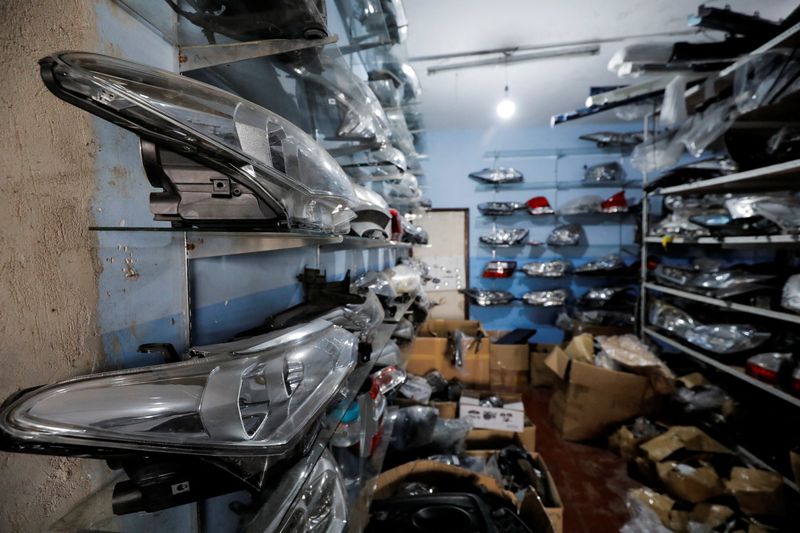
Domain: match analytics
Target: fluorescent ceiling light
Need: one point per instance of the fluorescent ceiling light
(510, 57)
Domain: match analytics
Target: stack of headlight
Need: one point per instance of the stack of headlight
(497, 176)
(486, 298)
(547, 269)
(499, 208)
(253, 397)
(280, 175)
(505, 237)
(546, 298)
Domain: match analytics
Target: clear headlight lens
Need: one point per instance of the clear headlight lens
(322, 504)
(566, 235)
(546, 298)
(256, 146)
(486, 298)
(256, 396)
(505, 237)
(497, 175)
(547, 269)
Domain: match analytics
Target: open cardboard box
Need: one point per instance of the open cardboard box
(530, 498)
(431, 350)
(510, 417)
(509, 364)
(453, 479)
(447, 410)
(588, 399)
(488, 439)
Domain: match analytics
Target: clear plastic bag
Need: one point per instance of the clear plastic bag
(702, 129)
(673, 108)
(643, 519)
(657, 154)
(414, 427)
(701, 398)
(404, 279)
(450, 434)
(790, 297)
(417, 389)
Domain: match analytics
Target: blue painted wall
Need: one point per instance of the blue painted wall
(456, 153)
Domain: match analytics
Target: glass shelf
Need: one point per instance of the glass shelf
(556, 185)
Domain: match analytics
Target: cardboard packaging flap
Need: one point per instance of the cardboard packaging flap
(710, 515)
(692, 380)
(581, 348)
(659, 503)
(757, 492)
(489, 439)
(688, 438)
(692, 483)
(558, 362)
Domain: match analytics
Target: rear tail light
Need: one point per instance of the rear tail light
(768, 367)
(499, 269)
(615, 204)
(538, 205)
(397, 225)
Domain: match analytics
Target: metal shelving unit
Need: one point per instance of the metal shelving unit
(732, 371)
(743, 241)
(733, 306)
(772, 177)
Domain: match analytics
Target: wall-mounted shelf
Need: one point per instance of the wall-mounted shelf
(774, 177)
(553, 152)
(557, 185)
(732, 371)
(743, 241)
(733, 306)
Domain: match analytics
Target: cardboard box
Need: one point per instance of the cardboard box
(509, 364)
(488, 439)
(432, 350)
(757, 492)
(588, 399)
(510, 417)
(541, 375)
(554, 511)
(449, 478)
(685, 440)
(694, 483)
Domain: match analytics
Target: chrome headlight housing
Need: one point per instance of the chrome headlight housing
(497, 175)
(546, 298)
(252, 397)
(265, 153)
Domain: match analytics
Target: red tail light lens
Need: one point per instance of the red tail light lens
(538, 205)
(615, 204)
(761, 373)
(499, 269)
(397, 225)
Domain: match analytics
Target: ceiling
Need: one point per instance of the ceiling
(467, 98)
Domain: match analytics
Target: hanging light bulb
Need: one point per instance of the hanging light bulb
(506, 107)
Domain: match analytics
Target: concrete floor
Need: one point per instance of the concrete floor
(592, 480)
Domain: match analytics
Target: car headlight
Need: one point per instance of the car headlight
(259, 150)
(252, 397)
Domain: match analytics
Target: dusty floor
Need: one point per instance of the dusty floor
(591, 480)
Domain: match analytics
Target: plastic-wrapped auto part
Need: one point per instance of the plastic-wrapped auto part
(678, 223)
(673, 107)
(556, 268)
(496, 209)
(414, 427)
(389, 355)
(606, 263)
(377, 282)
(505, 237)
(726, 338)
(283, 177)
(701, 398)
(486, 298)
(657, 154)
(396, 21)
(538, 205)
(406, 187)
(624, 60)
(705, 127)
(417, 389)
(599, 296)
(438, 384)
(565, 235)
(400, 135)
(604, 172)
(497, 176)
(499, 269)
(643, 518)
(633, 355)
(461, 343)
(719, 283)
(520, 471)
(404, 279)
(385, 87)
(670, 318)
(790, 296)
(784, 212)
(546, 298)
(589, 203)
(450, 434)
(763, 77)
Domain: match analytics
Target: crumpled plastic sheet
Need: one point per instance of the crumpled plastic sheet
(790, 296)
(404, 279)
(673, 107)
(451, 434)
(643, 519)
(762, 77)
(565, 235)
(784, 212)
(416, 388)
(701, 398)
(634, 355)
(414, 427)
(377, 282)
(589, 203)
(657, 154)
